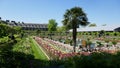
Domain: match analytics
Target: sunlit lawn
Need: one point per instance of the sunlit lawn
(38, 53)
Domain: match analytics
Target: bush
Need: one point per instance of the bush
(114, 42)
(99, 43)
(4, 39)
(95, 60)
(67, 41)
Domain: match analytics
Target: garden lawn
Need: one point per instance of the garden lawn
(37, 50)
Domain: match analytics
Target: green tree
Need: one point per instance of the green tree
(72, 19)
(3, 22)
(92, 25)
(101, 33)
(17, 29)
(104, 24)
(52, 26)
(5, 30)
(61, 29)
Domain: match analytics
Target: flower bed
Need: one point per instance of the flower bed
(63, 47)
(54, 53)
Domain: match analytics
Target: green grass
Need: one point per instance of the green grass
(30, 46)
(37, 50)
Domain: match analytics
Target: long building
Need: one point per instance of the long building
(27, 26)
(109, 28)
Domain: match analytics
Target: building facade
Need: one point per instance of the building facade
(29, 26)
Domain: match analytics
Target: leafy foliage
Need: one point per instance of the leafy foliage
(61, 29)
(23, 46)
(52, 26)
(6, 30)
(4, 40)
(114, 42)
(72, 19)
(92, 25)
(95, 60)
(99, 43)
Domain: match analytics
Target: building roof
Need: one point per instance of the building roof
(98, 28)
(28, 25)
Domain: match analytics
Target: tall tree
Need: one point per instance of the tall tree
(72, 19)
(52, 25)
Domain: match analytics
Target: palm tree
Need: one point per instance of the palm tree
(72, 19)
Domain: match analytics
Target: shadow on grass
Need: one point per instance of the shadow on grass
(12, 59)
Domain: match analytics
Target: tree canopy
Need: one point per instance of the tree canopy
(92, 25)
(6, 30)
(52, 25)
(72, 19)
(61, 29)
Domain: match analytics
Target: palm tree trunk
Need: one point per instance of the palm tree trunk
(74, 39)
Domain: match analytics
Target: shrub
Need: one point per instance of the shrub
(114, 42)
(99, 43)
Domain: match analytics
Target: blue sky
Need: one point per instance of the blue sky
(40, 11)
